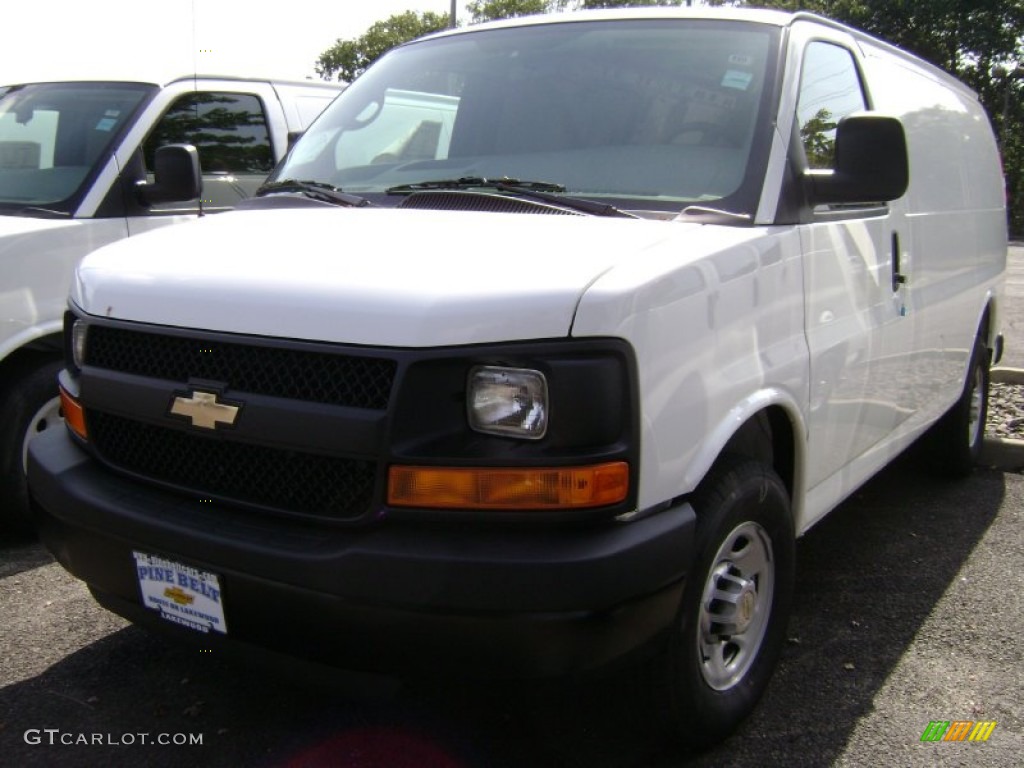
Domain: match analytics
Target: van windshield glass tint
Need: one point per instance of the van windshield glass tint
(54, 135)
(650, 113)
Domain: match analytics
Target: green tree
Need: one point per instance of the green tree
(587, 4)
(347, 59)
(490, 10)
(818, 137)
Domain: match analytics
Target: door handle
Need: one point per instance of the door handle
(898, 278)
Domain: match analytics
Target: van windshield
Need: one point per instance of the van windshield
(644, 114)
(54, 137)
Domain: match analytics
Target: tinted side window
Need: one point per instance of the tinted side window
(830, 89)
(230, 132)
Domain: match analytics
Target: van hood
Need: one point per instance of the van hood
(391, 277)
(12, 226)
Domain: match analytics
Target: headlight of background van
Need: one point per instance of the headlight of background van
(79, 330)
(512, 402)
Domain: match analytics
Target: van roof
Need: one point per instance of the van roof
(161, 82)
(759, 15)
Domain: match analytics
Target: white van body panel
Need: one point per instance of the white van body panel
(38, 258)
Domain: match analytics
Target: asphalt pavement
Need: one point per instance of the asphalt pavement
(909, 603)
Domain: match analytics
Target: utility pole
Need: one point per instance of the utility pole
(451, 16)
(1009, 78)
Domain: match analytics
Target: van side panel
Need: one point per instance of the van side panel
(39, 257)
(954, 249)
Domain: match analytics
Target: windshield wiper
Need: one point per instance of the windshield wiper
(317, 190)
(535, 190)
(475, 182)
(705, 215)
(47, 213)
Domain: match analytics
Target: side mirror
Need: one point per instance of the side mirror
(871, 163)
(177, 175)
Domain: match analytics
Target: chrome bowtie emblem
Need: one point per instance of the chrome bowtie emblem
(204, 411)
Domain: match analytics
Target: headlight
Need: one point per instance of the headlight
(508, 401)
(78, 335)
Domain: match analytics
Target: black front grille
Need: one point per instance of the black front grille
(295, 374)
(288, 481)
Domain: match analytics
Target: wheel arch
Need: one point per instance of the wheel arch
(988, 330)
(31, 353)
(768, 428)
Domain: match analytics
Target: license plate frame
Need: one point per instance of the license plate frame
(182, 594)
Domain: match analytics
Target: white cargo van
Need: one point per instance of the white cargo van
(77, 165)
(539, 350)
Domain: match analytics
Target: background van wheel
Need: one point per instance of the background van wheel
(30, 405)
(732, 620)
(955, 442)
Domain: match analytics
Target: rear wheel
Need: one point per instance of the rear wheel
(955, 442)
(30, 406)
(732, 619)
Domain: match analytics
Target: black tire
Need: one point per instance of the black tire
(955, 442)
(28, 404)
(735, 607)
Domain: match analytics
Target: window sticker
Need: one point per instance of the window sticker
(735, 79)
(106, 124)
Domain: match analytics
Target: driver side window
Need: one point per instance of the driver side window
(830, 89)
(229, 130)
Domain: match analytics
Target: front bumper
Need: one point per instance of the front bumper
(398, 597)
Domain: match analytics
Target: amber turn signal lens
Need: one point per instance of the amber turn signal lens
(532, 488)
(74, 415)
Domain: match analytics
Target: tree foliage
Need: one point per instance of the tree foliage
(491, 10)
(587, 4)
(347, 59)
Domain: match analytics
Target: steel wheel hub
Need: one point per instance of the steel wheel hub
(735, 606)
(974, 425)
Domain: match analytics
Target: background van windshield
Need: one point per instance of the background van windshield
(53, 135)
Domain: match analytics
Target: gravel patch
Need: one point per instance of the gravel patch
(1006, 411)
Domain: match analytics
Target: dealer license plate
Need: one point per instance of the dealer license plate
(184, 595)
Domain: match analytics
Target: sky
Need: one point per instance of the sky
(47, 39)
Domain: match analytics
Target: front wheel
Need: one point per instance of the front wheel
(732, 619)
(30, 405)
